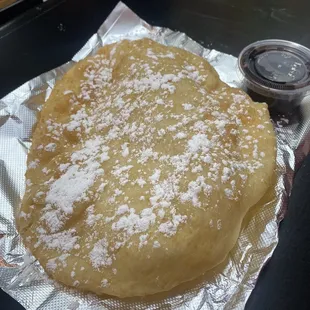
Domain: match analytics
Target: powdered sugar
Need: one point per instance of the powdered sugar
(104, 283)
(135, 223)
(156, 244)
(169, 228)
(180, 135)
(140, 154)
(122, 209)
(198, 142)
(62, 241)
(99, 255)
(33, 164)
(72, 186)
(125, 150)
(51, 147)
(194, 189)
(187, 106)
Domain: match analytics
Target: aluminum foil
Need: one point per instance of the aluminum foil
(226, 287)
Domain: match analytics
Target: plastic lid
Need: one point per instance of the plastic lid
(276, 67)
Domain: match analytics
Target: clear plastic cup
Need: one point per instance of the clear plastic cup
(276, 72)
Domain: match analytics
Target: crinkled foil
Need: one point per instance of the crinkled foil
(229, 285)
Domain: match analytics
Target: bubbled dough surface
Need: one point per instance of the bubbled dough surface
(209, 226)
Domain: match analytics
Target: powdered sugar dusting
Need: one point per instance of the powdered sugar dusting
(145, 144)
(99, 255)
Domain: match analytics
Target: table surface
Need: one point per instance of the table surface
(36, 37)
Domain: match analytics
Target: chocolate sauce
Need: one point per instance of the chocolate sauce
(276, 72)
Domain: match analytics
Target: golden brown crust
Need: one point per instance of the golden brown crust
(142, 167)
(5, 3)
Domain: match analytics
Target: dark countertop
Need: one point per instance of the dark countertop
(47, 35)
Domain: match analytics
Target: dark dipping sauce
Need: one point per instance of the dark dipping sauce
(276, 72)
